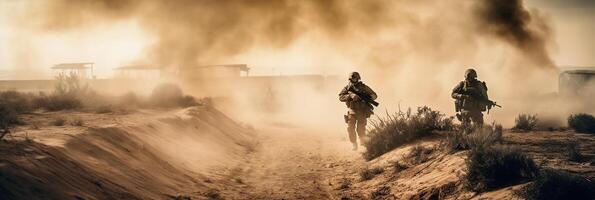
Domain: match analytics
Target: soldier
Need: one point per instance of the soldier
(471, 99)
(358, 97)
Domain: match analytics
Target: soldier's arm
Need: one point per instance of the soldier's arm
(457, 92)
(344, 95)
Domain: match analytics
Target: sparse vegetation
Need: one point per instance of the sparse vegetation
(77, 122)
(401, 128)
(574, 153)
(525, 123)
(380, 192)
(170, 95)
(399, 166)
(369, 173)
(419, 154)
(558, 185)
(460, 139)
(8, 118)
(58, 122)
(213, 195)
(582, 123)
(104, 109)
(492, 167)
(16, 101)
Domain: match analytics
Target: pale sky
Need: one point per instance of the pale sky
(113, 45)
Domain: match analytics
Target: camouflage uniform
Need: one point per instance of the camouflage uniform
(471, 96)
(359, 110)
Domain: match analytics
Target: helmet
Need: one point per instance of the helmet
(470, 74)
(354, 77)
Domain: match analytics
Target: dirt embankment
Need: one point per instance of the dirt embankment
(143, 155)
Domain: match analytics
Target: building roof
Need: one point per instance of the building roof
(242, 67)
(578, 70)
(82, 65)
(138, 67)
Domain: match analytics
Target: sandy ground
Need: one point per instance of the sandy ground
(158, 154)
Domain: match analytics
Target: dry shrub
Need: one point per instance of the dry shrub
(401, 128)
(170, 95)
(467, 138)
(380, 193)
(574, 153)
(17, 101)
(493, 167)
(558, 185)
(525, 123)
(399, 166)
(77, 122)
(369, 173)
(419, 154)
(56, 102)
(8, 118)
(582, 123)
(58, 122)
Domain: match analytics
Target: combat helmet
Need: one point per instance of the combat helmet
(354, 77)
(470, 74)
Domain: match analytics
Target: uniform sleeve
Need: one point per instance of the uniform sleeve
(370, 92)
(344, 95)
(457, 91)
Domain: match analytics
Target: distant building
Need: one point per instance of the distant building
(577, 81)
(137, 72)
(82, 70)
(215, 71)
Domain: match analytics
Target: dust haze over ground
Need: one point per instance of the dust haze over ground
(293, 144)
(416, 51)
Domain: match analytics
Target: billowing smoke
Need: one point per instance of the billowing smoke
(191, 32)
(416, 50)
(510, 21)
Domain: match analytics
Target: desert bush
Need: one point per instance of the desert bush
(56, 102)
(380, 193)
(392, 131)
(558, 185)
(582, 123)
(8, 118)
(525, 122)
(399, 166)
(70, 85)
(574, 153)
(58, 122)
(419, 154)
(17, 101)
(492, 167)
(77, 122)
(369, 173)
(170, 95)
(467, 138)
(103, 109)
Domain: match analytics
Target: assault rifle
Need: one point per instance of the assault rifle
(491, 104)
(363, 96)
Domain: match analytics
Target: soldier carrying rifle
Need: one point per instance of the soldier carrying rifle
(471, 99)
(359, 99)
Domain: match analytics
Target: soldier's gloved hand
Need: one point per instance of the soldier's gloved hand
(354, 97)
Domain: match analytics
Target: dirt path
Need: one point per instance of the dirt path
(295, 164)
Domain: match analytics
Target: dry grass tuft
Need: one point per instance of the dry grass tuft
(401, 128)
(525, 123)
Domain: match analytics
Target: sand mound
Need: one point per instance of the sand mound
(149, 159)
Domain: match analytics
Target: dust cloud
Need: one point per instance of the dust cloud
(411, 53)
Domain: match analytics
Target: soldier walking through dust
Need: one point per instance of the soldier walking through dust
(471, 99)
(359, 99)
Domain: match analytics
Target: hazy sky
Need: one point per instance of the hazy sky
(113, 45)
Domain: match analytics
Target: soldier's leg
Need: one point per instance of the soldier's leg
(477, 118)
(351, 120)
(362, 121)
